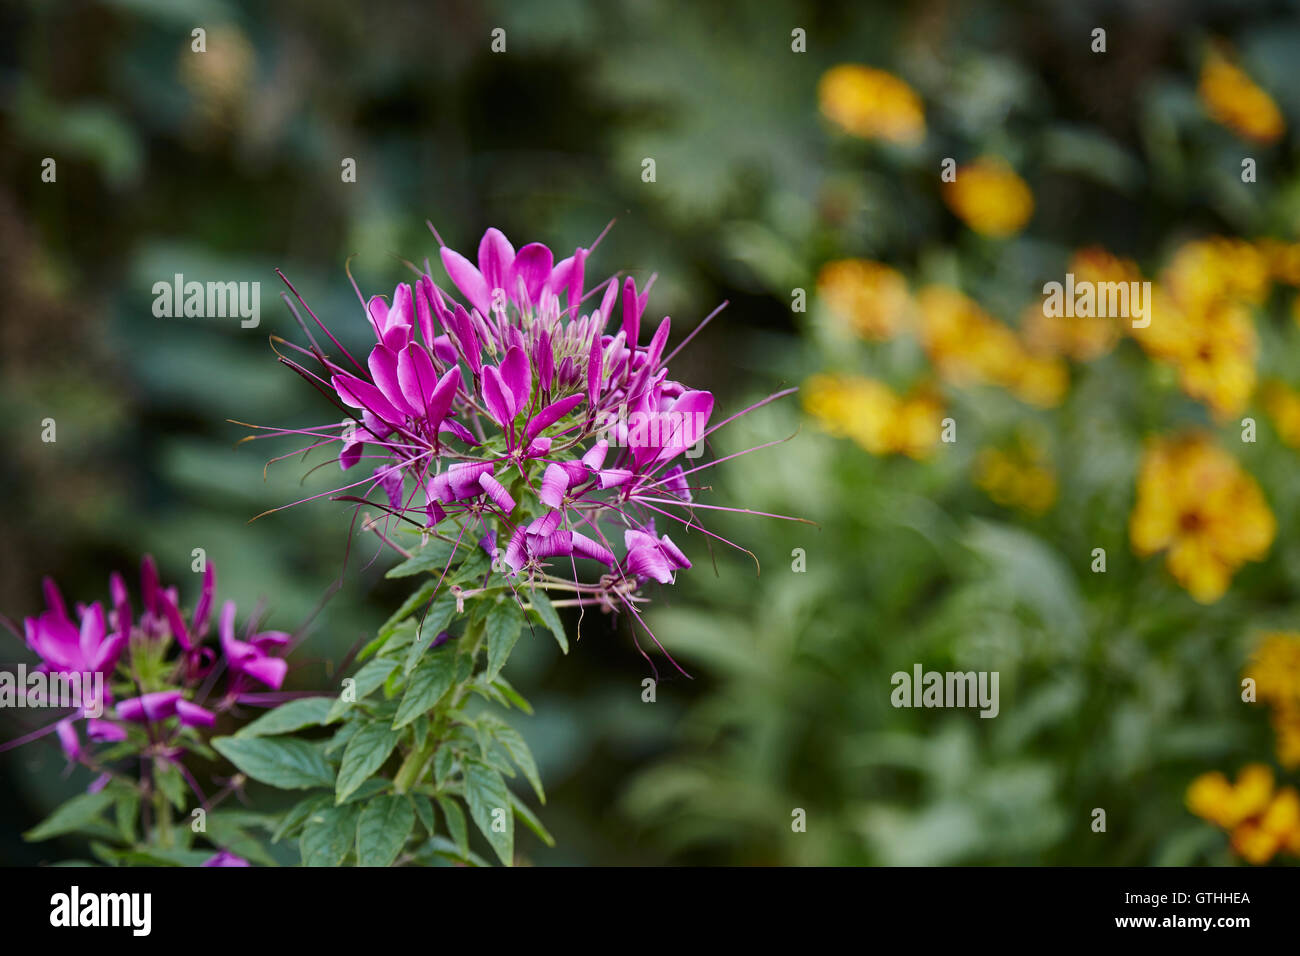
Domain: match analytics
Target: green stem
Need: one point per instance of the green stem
(412, 768)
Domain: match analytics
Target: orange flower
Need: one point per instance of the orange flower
(989, 197)
(871, 104)
(1195, 503)
(1231, 98)
(870, 297)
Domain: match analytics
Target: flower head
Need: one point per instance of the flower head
(1197, 504)
(871, 104)
(989, 197)
(511, 409)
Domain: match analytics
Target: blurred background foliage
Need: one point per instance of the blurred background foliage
(1117, 689)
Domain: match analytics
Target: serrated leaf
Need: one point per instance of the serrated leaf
(546, 611)
(444, 760)
(489, 803)
(515, 746)
(329, 835)
(364, 754)
(288, 717)
(530, 820)
(424, 811)
(504, 622)
(382, 830)
(167, 778)
(283, 762)
(299, 814)
(449, 851)
(428, 629)
(364, 683)
(455, 818)
(433, 557)
(433, 677)
(74, 815)
(225, 832)
(512, 695)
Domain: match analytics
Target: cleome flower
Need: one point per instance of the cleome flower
(501, 411)
(159, 678)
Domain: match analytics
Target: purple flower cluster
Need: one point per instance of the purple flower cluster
(155, 671)
(513, 415)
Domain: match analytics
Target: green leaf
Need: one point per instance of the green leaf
(503, 625)
(432, 557)
(546, 611)
(424, 810)
(382, 830)
(531, 821)
(432, 678)
(283, 762)
(225, 832)
(364, 683)
(512, 695)
(513, 742)
(167, 778)
(294, 715)
(430, 627)
(455, 817)
(444, 759)
(71, 816)
(299, 814)
(489, 806)
(417, 598)
(329, 835)
(364, 754)
(126, 809)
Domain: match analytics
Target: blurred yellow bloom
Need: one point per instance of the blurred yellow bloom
(871, 414)
(1195, 502)
(869, 297)
(871, 104)
(1201, 320)
(1231, 97)
(1019, 477)
(1283, 406)
(221, 78)
(1213, 798)
(1081, 339)
(989, 197)
(1282, 260)
(1262, 821)
(1205, 271)
(1275, 669)
(967, 346)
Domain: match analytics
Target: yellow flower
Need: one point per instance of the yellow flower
(871, 104)
(967, 346)
(1275, 669)
(1081, 339)
(1283, 406)
(1201, 320)
(869, 297)
(1213, 798)
(1205, 271)
(989, 197)
(1199, 506)
(871, 414)
(1282, 259)
(1230, 97)
(1019, 477)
